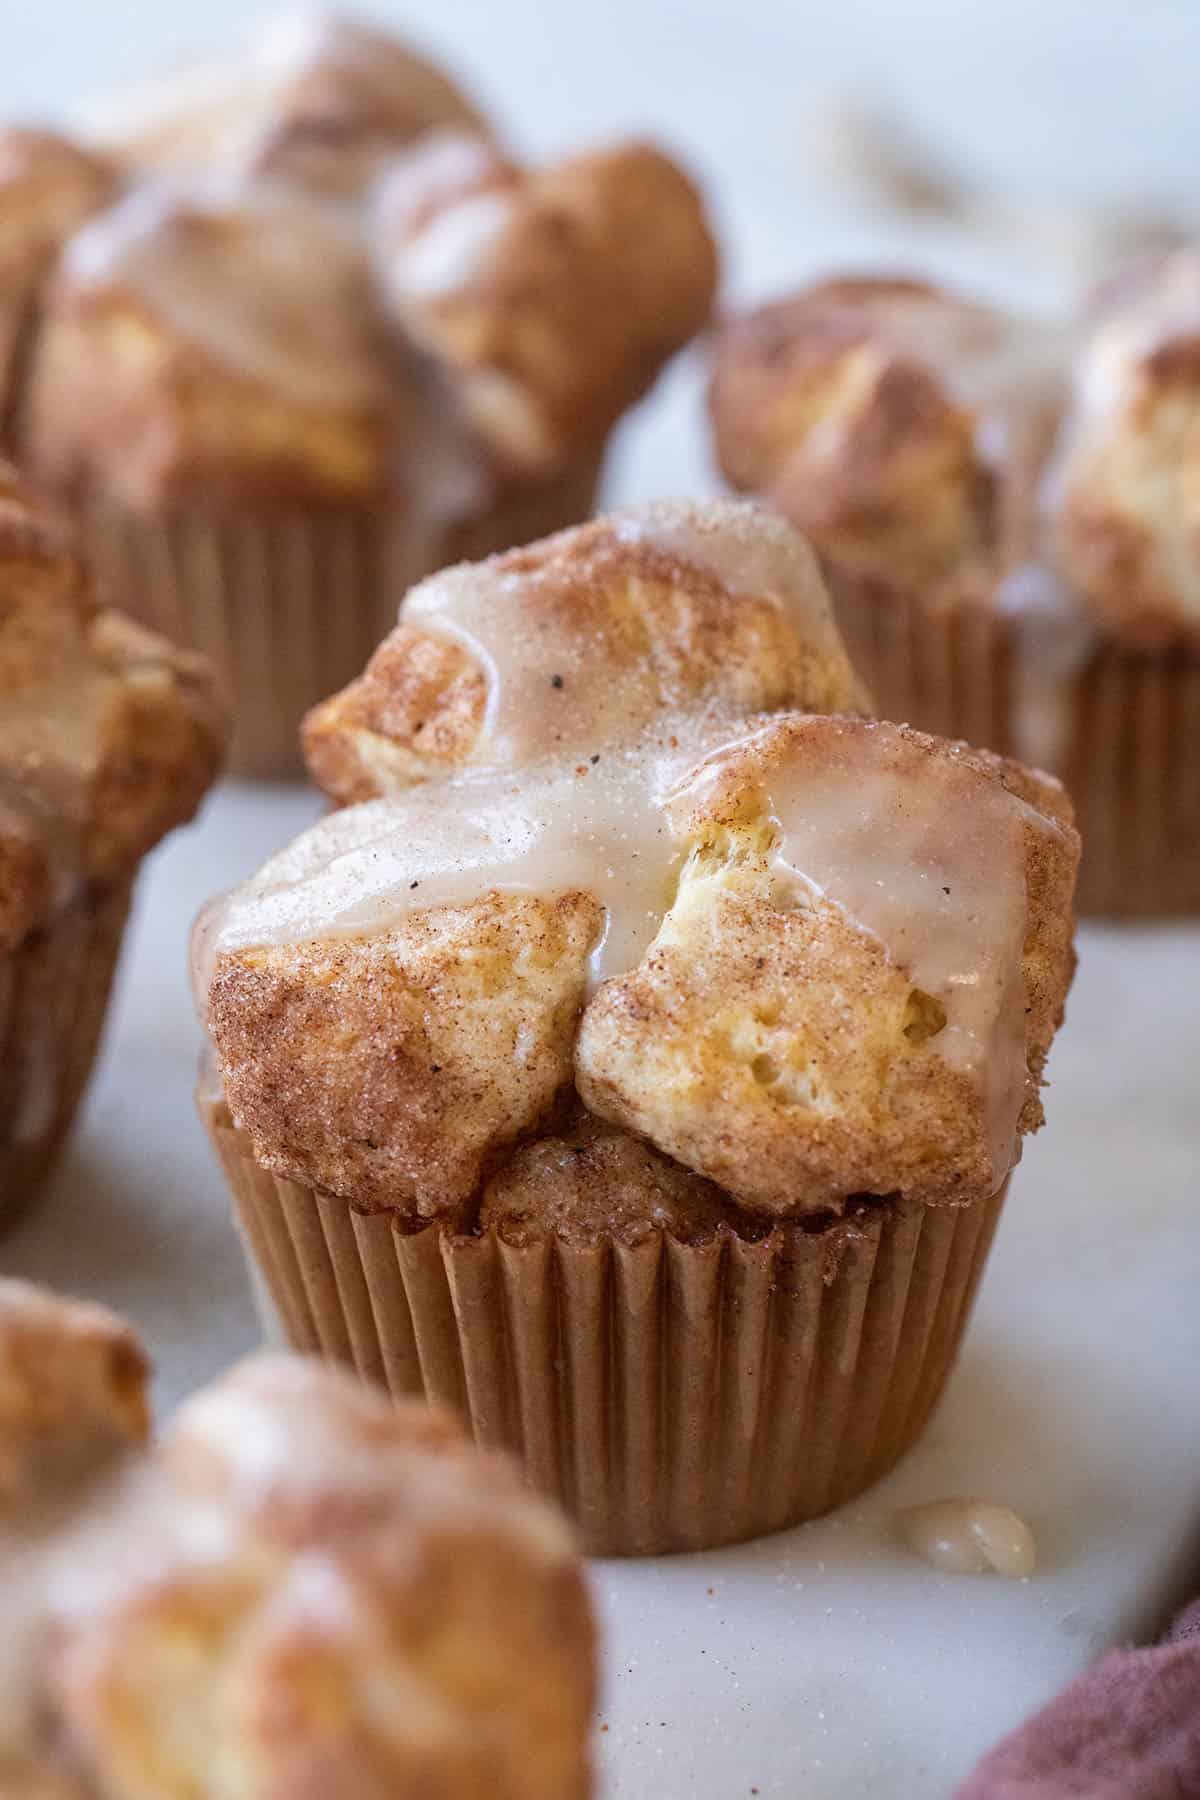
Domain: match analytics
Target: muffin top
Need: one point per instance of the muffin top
(988, 460)
(320, 283)
(609, 845)
(313, 96)
(108, 735)
(293, 1548)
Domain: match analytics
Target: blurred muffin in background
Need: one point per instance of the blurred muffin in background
(327, 338)
(1006, 511)
(299, 1583)
(109, 737)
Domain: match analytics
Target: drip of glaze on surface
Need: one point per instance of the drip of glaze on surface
(970, 1537)
(926, 855)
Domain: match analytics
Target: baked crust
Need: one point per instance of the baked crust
(315, 99)
(553, 299)
(591, 1182)
(634, 603)
(930, 444)
(399, 1052)
(328, 1590)
(197, 344)
(841, 406)
(396, 1068)
(109, 736)
(768, 1039)
(73, 1389)
(1129, 483)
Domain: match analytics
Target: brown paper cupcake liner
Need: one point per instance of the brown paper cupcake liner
(289, 607)
(1126, 739)
(54, 992)
(671, 1396)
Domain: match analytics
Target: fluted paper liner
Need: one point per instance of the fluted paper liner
(671, 1396)
(288, 607)
(54, 990)
(1129, 725)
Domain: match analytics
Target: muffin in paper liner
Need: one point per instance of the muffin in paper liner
(1005, 514)
(109, 738)
(54, 990)
(672, 1396)
(609, 1004)
(289, 606)
(284, 370)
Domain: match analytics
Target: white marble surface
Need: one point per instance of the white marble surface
(825, 1662)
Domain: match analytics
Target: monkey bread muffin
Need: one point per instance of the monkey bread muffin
(316, 336)
(109, 737)
(299, 1583)
(636, 1059)
(1007, 515)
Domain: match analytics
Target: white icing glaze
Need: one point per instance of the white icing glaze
(929, 858)
(566, 785)
(269, 283)
(558, 827)
(451, 250)
(971, 1537)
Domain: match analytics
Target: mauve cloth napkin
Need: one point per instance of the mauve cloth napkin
(1127, 1730)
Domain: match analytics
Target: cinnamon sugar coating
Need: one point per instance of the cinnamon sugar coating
(395, 1068)
(73, 1381)
(603, 851)
(1130, 507)
(637, 605)
(770, 1041)
(592, 1181)
(311, 1586)
(554, 298)
(109, 736)
(943, 447)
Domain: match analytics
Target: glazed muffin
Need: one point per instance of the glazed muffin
(109, 737)
(328, 338)
(636, 1058)
(300, 1582)
(1002, 510)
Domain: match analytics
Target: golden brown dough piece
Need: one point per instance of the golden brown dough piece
(777, 1037)
(553, 300)
(1130, 480)
(648, 613)
(48, 187)
(202, 345)
(592, 1182)
(869, 411)
(109, 736)
(318, 99)
(73, 1381)
(307, 1586)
